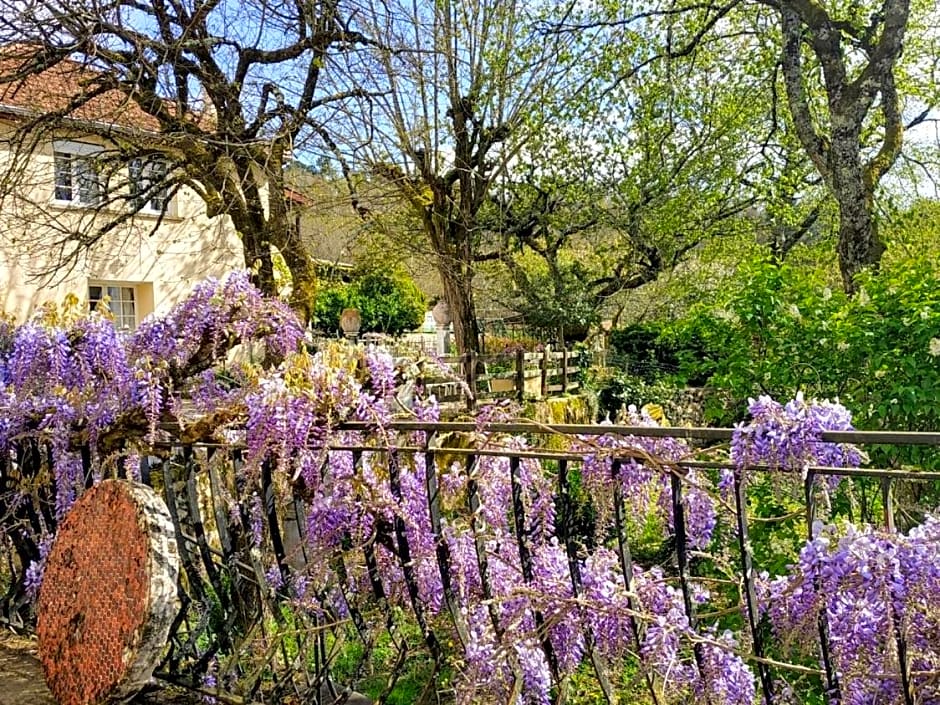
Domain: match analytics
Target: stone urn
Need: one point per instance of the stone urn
(441, 314)
(350, 321)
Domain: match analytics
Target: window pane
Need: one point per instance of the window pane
(160, 198)
(89, 187)
(135, 172)
(63, 176)
(121, 303)
(146, 179)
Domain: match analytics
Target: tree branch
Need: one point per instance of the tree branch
(817, 148)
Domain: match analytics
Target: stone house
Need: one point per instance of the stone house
(82, 214)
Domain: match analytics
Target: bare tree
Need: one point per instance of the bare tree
(463, 84)
(229, 92)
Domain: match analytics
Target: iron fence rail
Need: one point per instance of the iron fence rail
(236, 623)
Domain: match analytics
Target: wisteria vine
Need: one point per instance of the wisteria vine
(547, 602)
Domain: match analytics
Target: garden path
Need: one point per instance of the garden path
(22, 682)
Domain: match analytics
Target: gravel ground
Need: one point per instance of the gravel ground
(22, 682)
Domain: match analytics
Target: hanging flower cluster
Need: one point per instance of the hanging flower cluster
(789, 436)
(875, 589)
(525, 621)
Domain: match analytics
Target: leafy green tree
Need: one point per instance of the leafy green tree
(389, 304)
(853, 132)
(331, 300)
(554, 298)
(835, 82)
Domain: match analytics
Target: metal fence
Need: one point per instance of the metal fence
(241, 636)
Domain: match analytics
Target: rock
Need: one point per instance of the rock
(343, 695)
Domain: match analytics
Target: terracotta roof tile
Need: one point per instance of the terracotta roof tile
(55, 87)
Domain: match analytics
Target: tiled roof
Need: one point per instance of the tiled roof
(297, 197)
(54, 88)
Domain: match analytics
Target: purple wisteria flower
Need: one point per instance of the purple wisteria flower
(872, 586)
(35, 570)
(789, 437)
(646, 465)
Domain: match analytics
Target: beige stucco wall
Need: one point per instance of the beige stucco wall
(41, 260)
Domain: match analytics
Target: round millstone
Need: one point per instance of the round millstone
(108, 595)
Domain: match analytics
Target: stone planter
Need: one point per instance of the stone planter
(533, 386)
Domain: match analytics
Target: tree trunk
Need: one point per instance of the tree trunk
(302, 272)
(257, 239)
(839, 160)
(258, 260)
(459, 296)
(859, 244)
(451, 243)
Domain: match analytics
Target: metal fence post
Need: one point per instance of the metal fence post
(750, 593)
(822, 619)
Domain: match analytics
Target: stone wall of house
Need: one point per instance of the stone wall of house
(43, 258)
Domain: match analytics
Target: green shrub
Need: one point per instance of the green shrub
(655, 351)
(637, 351)
(329, 305)
(782, 329)
(387, 303)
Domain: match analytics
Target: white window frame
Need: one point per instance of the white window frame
(139, 171)
(123, 301)
(75, 159)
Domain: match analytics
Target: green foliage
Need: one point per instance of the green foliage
(638, 342)
(411, 674)
(780, 531)
(621, 389)
(782, 329)
(556, 298)
(330, 303)
(387, 303)
(913, 232)
(652, 352)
